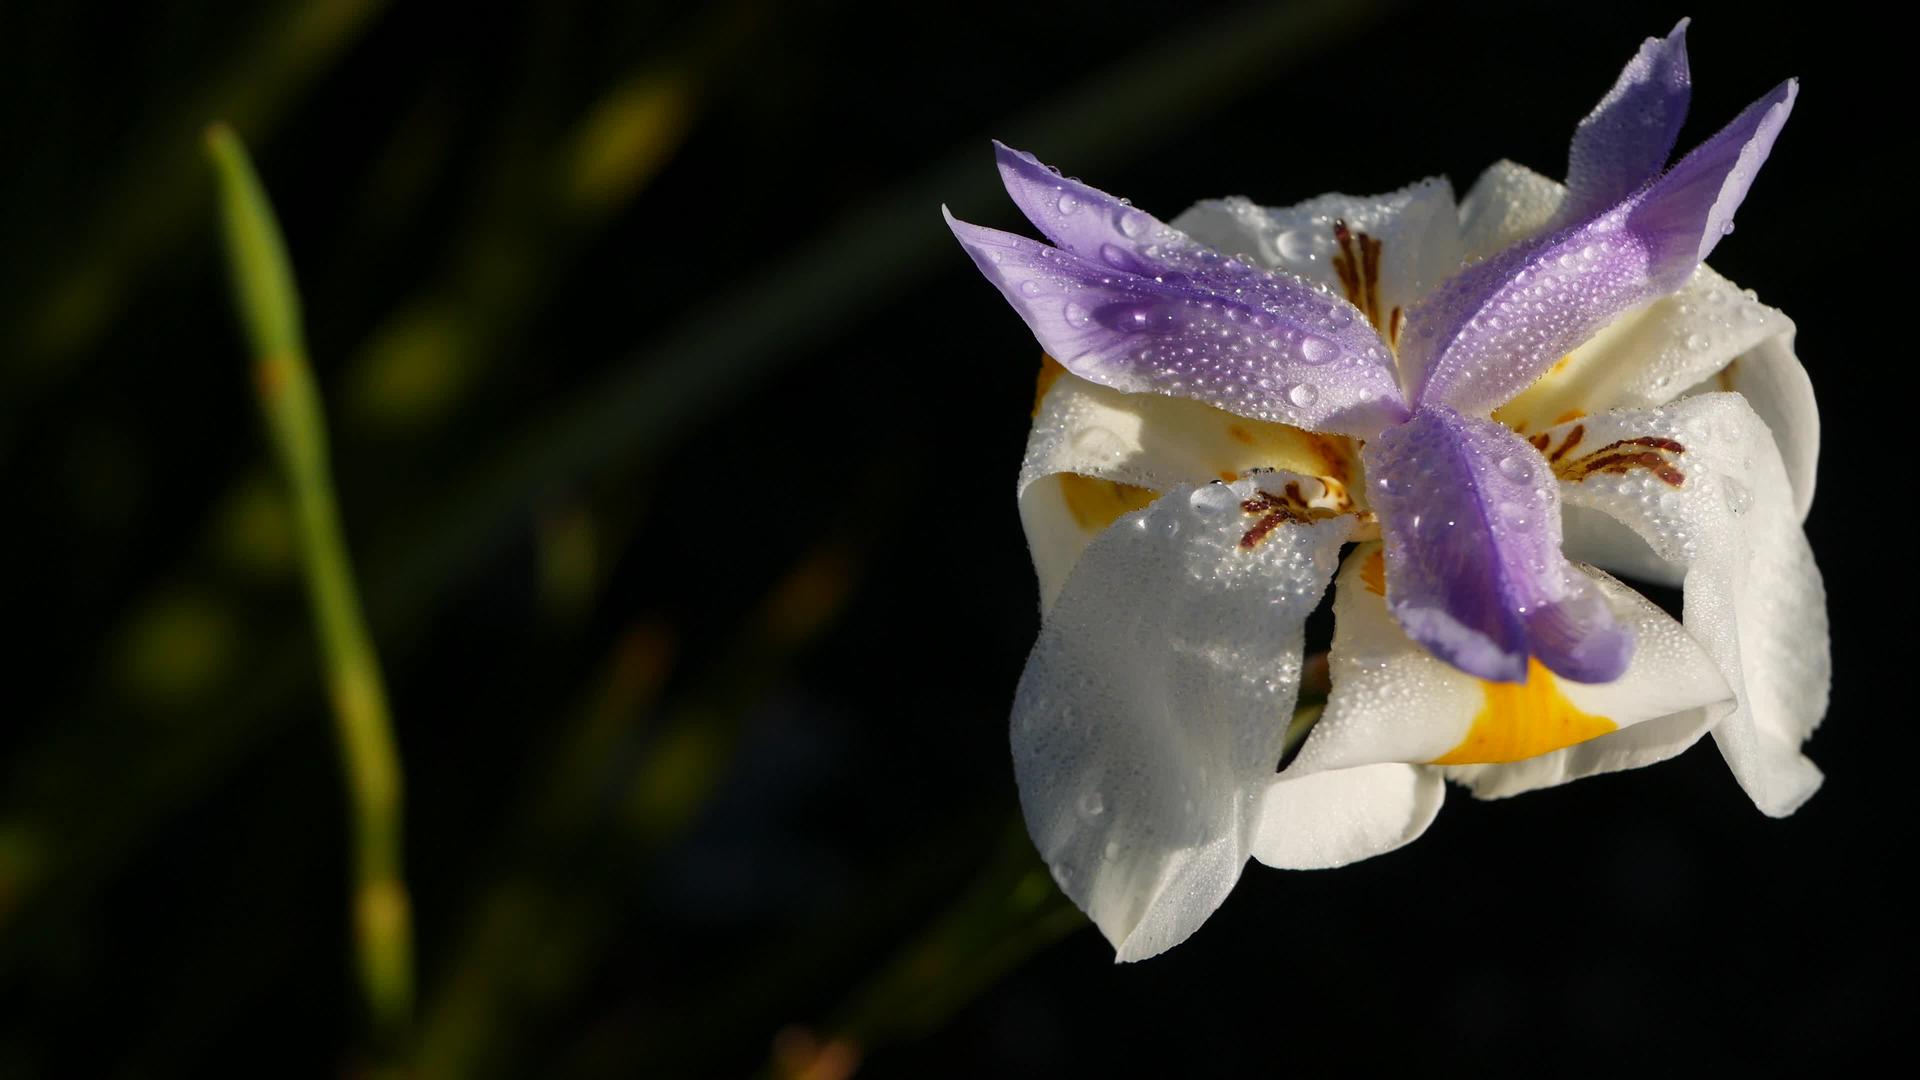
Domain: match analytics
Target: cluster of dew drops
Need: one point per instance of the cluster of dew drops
(1531, 314)
(1217, 330)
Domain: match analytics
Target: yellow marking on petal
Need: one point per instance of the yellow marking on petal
(1373, 574)
(1050, 372)
(1096, 504)
(1523, 720)
(1251, 444)
(1336, 456)
(1561, 393)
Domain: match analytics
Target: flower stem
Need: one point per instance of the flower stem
(289, 398)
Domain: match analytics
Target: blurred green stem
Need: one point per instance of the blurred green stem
(270, 312)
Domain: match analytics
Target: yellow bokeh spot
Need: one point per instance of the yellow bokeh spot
(1523, 720)
(626, 139)
(176, 648)
(1096, 504)
(413, 371)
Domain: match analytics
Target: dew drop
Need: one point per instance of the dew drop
(1303, 395)
(1068, 204)
(1212, 499)
(1132, 223)
(1739, 496)
(1092, 805)
(1030, 287)
(1315, 350)
(1696, 342)
(1294, 245)
(1076, 314)
(1515, 467)
(1134, 316)
(1099, 444)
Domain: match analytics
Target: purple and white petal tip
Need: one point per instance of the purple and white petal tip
(1488, 332)
(1683, 215)
(1626, 140)
(1128, 302)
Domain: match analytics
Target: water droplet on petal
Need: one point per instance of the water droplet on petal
(1092, 805)
(1100, 445)
(1738, 495)
(1303, 395)
(1134, 316)
(1316, 350)
(1515, 467)
(1132, 223)
(1076, 314)
(1294, 245)
(1068, 204)
(1212, 499)
(1030, 288)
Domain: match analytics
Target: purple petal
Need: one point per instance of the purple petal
(1686, 212)
(1470, 514)
(1625, 141)
(1074, 216)
(1174, 317)
(1489, 331)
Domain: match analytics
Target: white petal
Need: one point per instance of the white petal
(1753, 595)
(1773, 381)
(1589, 536)
(1096, 453)
(1417, 227)
(1650, 355)
(1323, 820)
(1508, 204)
(1393, 701)
(1150, 717)
(1671, 677)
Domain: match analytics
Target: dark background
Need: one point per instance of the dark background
(676, 443)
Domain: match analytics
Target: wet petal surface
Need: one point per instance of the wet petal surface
(1150, 717)
(1474, 571)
